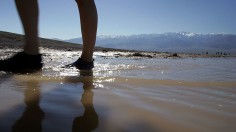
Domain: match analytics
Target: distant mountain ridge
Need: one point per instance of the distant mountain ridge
(170, 42)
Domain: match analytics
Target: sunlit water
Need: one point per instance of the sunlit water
(121, 94)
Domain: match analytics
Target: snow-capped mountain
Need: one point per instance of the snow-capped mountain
(170, 42)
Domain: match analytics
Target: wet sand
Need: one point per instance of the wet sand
(122, 94)
(37, 103)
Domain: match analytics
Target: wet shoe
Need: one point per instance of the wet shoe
(82, 65)
(22, 63)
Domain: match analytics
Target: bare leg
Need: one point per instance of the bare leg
(89, 20)
(29, 13)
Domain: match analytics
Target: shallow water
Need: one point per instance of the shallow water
(121, 94)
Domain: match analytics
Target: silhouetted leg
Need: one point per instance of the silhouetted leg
(89, 20)
(29, 13)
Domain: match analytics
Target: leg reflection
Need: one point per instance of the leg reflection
(89, 120)
(31, 120)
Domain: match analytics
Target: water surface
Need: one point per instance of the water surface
(121, 94)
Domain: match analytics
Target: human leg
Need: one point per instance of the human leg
(29, 60)
(29, 14)
(88, 20)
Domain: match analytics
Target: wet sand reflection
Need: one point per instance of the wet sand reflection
(33, 116)
(89, 120)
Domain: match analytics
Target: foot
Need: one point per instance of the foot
(22, 63)
(82, 65)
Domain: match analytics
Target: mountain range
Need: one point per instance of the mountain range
(170, 42)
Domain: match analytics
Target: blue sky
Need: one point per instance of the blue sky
(60, 18)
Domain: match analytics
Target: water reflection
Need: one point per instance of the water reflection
(32, 118)
(89, 120)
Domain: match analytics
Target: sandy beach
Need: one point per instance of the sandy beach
(127, 91)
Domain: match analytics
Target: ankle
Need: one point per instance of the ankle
(87, 59)
(31, 50)
(31, 53)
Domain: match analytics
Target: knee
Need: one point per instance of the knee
(80, 2)
(84, 2)
(25, 2)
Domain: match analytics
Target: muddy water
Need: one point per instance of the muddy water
(121, 94)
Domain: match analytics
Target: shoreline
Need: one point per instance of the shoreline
(120, 52)
(15, 42)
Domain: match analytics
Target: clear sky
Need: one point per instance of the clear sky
(60, 18)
